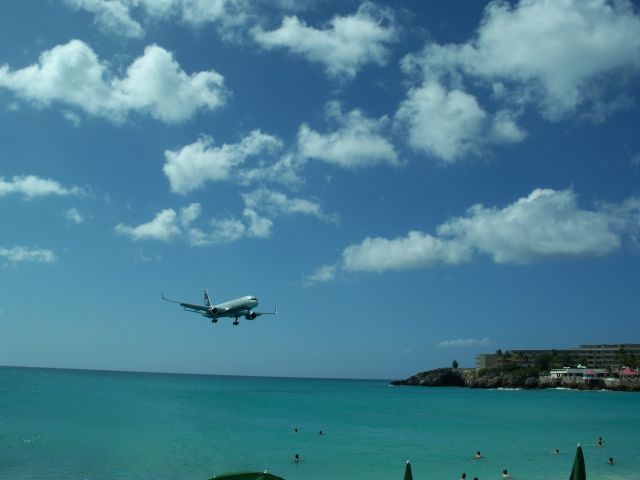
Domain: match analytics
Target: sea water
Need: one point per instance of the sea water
(64, 424)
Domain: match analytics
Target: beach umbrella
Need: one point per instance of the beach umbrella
(407, 471)
(578, 472)
(246, 476)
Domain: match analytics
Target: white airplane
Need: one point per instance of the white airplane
(240, 307)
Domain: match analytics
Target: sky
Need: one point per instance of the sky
(407, 182)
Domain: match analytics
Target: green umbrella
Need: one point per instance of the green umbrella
(578, 472)
(407, 471)
(246, 476)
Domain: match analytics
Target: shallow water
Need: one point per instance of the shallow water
(62, 424)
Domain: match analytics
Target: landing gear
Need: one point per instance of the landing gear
(236, 322)
(214, 320)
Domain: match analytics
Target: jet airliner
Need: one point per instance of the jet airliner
(240, 307)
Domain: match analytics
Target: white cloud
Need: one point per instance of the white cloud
(258, 226)
(127, 18)
(357, 143)
(504, 129)
(549, 52)
(190, 167)
(72, 215)
(31, 186)
(142, 257)
(260, 207)
(229, 229)
(323, 274)
(224, 230)
(446, 124)
(168, 225)
(163, 227)
(111, 16)
(24, 254)
(285, 171)
(277, 203)
(154, 84)
(416, 250)
(190, 214)
(347, 44)
(545, 224)
(466, 342)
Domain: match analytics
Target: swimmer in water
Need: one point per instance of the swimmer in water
(556, 451)
(296, 458)
(610, 461)
(505, 474)
(464, 476)
(477, 456)
(599, 441)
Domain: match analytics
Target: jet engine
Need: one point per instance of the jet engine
(251, 316)
(213, 311)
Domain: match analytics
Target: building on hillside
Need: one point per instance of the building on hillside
(612, 357)
(579, 372)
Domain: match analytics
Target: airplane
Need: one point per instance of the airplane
(240, 307)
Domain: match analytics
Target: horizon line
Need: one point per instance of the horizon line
(107, 370)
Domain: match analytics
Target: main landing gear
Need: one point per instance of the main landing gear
(236, 322)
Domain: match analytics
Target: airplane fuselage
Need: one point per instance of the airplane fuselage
(240, 307)
(234, 308)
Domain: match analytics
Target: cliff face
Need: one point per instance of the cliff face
(468, 377)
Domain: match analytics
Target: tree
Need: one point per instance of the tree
(543, 361)
(630, 360)
(621, 355)
(454, 364)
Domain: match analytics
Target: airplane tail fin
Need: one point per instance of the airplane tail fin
(207, 301)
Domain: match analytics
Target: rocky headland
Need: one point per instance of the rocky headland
(486, 378)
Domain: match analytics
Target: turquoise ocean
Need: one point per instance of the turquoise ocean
(70, 424)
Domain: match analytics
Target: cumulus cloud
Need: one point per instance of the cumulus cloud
(258, 226)
(154, 84)
(127, 18)
(256, 221)
(111, 16)
(345, 46)
(25, 254)
(190, 167)
(415, 250)
(277, 203)
(445, 124)
(72, 215)
(543, 225)
(465, 342)
(285, 170)
(550, 52)
(358, 142)
(324, 273)
(31, 186)
(164, 227)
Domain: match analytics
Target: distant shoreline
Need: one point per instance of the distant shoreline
(471, 378)
(194, 374)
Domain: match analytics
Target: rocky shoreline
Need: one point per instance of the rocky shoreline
(471, 378)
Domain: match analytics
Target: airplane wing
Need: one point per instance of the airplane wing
(189, 306)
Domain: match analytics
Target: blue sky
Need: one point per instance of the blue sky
(408, 182)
